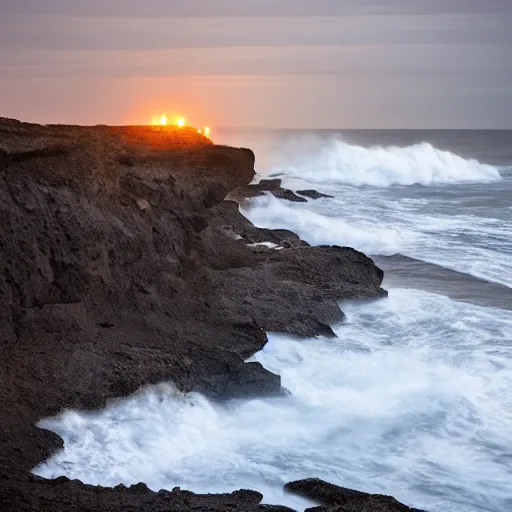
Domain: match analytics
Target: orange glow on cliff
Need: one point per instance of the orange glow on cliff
(206, 132)
(180, 122)
(160, 121)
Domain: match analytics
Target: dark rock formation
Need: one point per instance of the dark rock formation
(26, 492)
(274, 187)
(312, 194)
(259, 189)
(339, 499)
(121, 267)
(240, 227)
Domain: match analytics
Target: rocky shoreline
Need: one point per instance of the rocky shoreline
(123, 266)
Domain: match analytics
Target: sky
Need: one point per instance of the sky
(259, 63)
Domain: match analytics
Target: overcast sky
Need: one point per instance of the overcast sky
(261, 63)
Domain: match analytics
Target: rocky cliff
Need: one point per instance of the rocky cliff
(121, 266)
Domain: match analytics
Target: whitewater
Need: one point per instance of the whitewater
(412, 398)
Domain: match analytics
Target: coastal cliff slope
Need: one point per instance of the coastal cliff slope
(123, 266)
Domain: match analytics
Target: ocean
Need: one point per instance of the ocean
(413, 398)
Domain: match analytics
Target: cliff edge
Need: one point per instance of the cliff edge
(122, 266)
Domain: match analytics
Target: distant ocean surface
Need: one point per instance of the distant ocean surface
(413, 399)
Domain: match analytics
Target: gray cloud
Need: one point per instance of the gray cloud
(377, 60)
(359, 63)
(253, 7)
(27, 31)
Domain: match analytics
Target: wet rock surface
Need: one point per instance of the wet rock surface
(338, 499)
(27, 492)
(122, 266)
(313, 194)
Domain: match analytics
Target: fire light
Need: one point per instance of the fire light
(160, 121)
(179, 122)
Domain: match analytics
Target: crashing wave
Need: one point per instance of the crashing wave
(318, 229)
(335, 161)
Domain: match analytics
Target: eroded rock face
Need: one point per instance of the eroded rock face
(122, 266)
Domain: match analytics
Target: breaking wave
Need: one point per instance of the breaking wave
(318, 229)
(417, 409)
(335, 161)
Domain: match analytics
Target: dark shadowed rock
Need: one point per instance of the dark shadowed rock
(339, 499)
(274, 187)
(258, 189)
(226, 216)
(312, 194)
(289, 195)
(23, 492)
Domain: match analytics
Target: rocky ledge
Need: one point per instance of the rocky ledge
(122, 266)
(274, 187)
(338, 499)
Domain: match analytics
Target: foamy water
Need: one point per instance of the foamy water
(419, 409)
(333, 161)
(413, 397)
(417, 200)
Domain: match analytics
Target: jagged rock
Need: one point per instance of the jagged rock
(22, 492)
(289, 195)
(274, 187)
(313, 194)
(242, 227)
(258, 189)
(339, 499)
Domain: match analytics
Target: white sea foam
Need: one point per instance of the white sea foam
(420, 410)
(453, 226)
(268, 245)
(318, 229)
(335, 161)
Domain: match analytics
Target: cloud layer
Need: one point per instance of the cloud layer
(287, 63)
